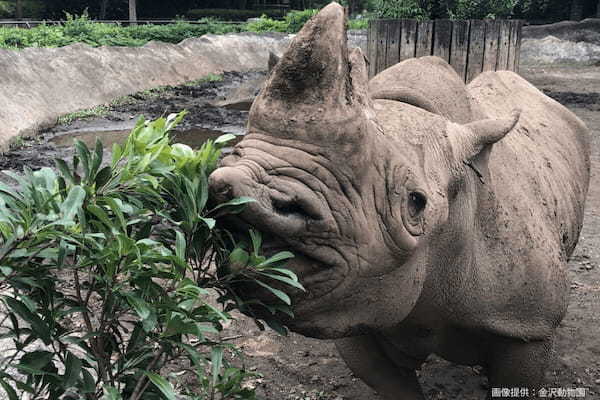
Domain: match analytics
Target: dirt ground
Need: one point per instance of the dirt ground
(298, 368)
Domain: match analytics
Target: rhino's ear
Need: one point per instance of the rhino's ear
(472, 144)
(273, 60)
(480, 135)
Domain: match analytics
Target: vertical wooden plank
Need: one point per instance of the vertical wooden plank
(381, 46)
(409, 39)
(512, 46)
(393, 43)
(476, 47)
(442, 39)
(503, 45)
(492, 34)
(519, 39)
(372, 47)
(459, 49)
(424, 39)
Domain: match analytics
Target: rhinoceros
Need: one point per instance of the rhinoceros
(427, 216)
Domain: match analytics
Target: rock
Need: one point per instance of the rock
(552, 50)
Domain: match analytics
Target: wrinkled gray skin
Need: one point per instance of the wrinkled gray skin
(426, 216)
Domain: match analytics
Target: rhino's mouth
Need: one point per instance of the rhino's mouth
(318, 275)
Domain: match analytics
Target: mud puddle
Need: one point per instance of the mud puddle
(113, 122)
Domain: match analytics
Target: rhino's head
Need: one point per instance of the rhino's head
(352, 209)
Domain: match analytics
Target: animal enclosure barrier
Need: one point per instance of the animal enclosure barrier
(471, 47)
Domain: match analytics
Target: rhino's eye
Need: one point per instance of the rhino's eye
(416, 203)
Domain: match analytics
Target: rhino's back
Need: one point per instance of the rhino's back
(541, 169)
(429, 83)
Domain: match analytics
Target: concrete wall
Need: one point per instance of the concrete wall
(38, 85)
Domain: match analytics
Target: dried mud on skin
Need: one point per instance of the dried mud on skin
(298, 368)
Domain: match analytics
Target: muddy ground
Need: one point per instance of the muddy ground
(298, 368)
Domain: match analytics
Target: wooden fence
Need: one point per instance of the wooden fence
(471, 47)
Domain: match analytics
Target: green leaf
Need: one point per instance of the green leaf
(101, 215)
(283, 271)
(238, 259)
(10, 392)
(180, 245)
(139, 305)
(103, 176)
(277, 327)
(283, 255)
(84, 156)
(281, 295)
(256, 239)
(88, 384)
(72, 370)
(182, 151)
(72, 203)
(238, 201)
(97, 157)
(210, 222)
(162, 384)
(216, 359)
(194, 355)
(38, 326)
(223, 139)
(285, 280)
(116, 209)
(64, 170)
(110, 393)
(35, 362)
(117, 151)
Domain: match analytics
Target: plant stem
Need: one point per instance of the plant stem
(142, 384)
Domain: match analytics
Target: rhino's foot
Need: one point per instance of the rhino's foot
(514, 364)
(365, 357)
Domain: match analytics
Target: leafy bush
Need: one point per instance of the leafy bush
(480, 9)
(266, 24)
(292, 23)
(296, 19)
(362, 23)
(400, 9)
(107, 268)
(227, 14)
(7, 9)
(31, 9)
(81, 29)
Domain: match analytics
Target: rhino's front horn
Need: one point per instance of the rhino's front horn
(317, 92)
(314, 69)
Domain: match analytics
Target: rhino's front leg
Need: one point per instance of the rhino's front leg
(366, 359)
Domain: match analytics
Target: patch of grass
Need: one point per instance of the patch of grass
(16, 143)
(153, 93)
(68, 119)
(205, 79)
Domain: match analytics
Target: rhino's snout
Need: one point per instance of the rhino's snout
(283, 205)
(221, 183)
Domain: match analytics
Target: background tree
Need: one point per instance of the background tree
(576, 10)
(103, 7)
(132, 12)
